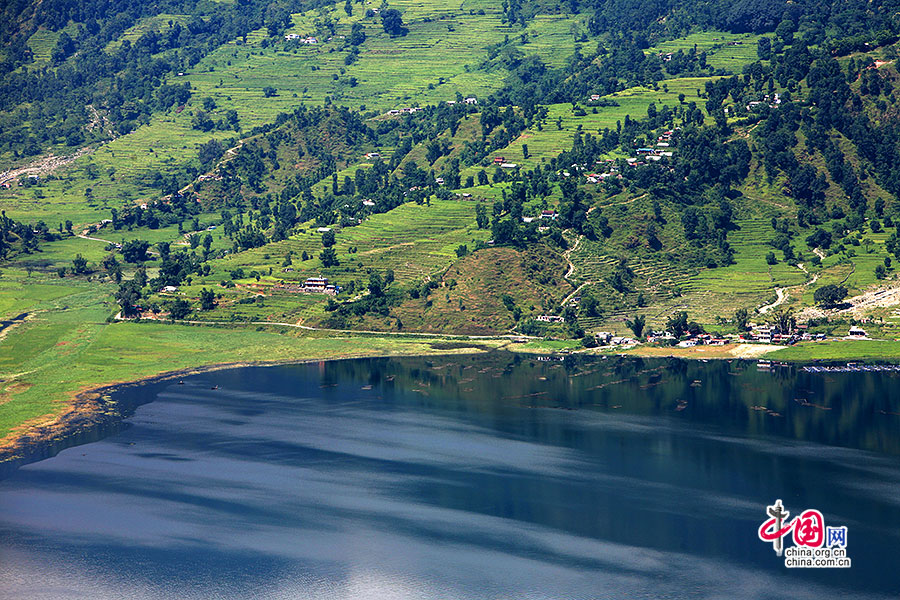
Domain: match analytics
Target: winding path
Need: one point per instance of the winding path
(781, 293)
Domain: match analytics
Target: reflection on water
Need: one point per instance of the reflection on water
(464, 477)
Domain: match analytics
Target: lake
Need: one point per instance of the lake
(469, 477)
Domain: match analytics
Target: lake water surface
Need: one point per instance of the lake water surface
(477, 477)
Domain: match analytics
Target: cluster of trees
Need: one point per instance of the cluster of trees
(16, 237)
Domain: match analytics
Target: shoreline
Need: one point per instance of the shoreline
(89, 410)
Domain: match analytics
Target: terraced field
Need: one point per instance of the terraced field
(430, 64)
(413, 240)
(158, 23)
(705, 293)
(557, 133)
(730, 51)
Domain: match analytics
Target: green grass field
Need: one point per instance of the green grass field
(61, 353)
(880, 350)
(724, 50)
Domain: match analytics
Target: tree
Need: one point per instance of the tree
(636, 325)
(830, 295)
(357, 34)
(128, 296)
(589, 306)
(525, 151)
(879, 272)
(269, 92)
(819, 239)
(140, 276)
(741, 317)
(481, 218)
(207, 299)
(764, 48)
(376, 284)
(329, 258)
(79, 265)
(328, 239)
(179, 309)
(392, 21)
(784, 320)
(677, 324)
(770, 258)
(134, 251)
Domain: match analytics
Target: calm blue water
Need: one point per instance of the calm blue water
(469, 477)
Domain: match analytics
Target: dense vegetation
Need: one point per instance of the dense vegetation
(793, 133)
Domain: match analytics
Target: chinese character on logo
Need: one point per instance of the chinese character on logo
(837, 536)
(809, 529)
(771, 530)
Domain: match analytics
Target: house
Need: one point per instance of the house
(595, 97)
(471, 100)
(527, 219)
(451, 102)
(439, 181)
(499, 160)
(550, 319)
(644, 151)
(373, 155)
(857, 332)
(323, 229)
(368, 203)
(292, 36)
(507, 165)
(169, 289)
(603, 337)
(315, 284)
(393, 111)
(687, 344)
(309, 40)
(549, 214)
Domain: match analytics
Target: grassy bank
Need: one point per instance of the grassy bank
(57, 354)
(841, 350)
